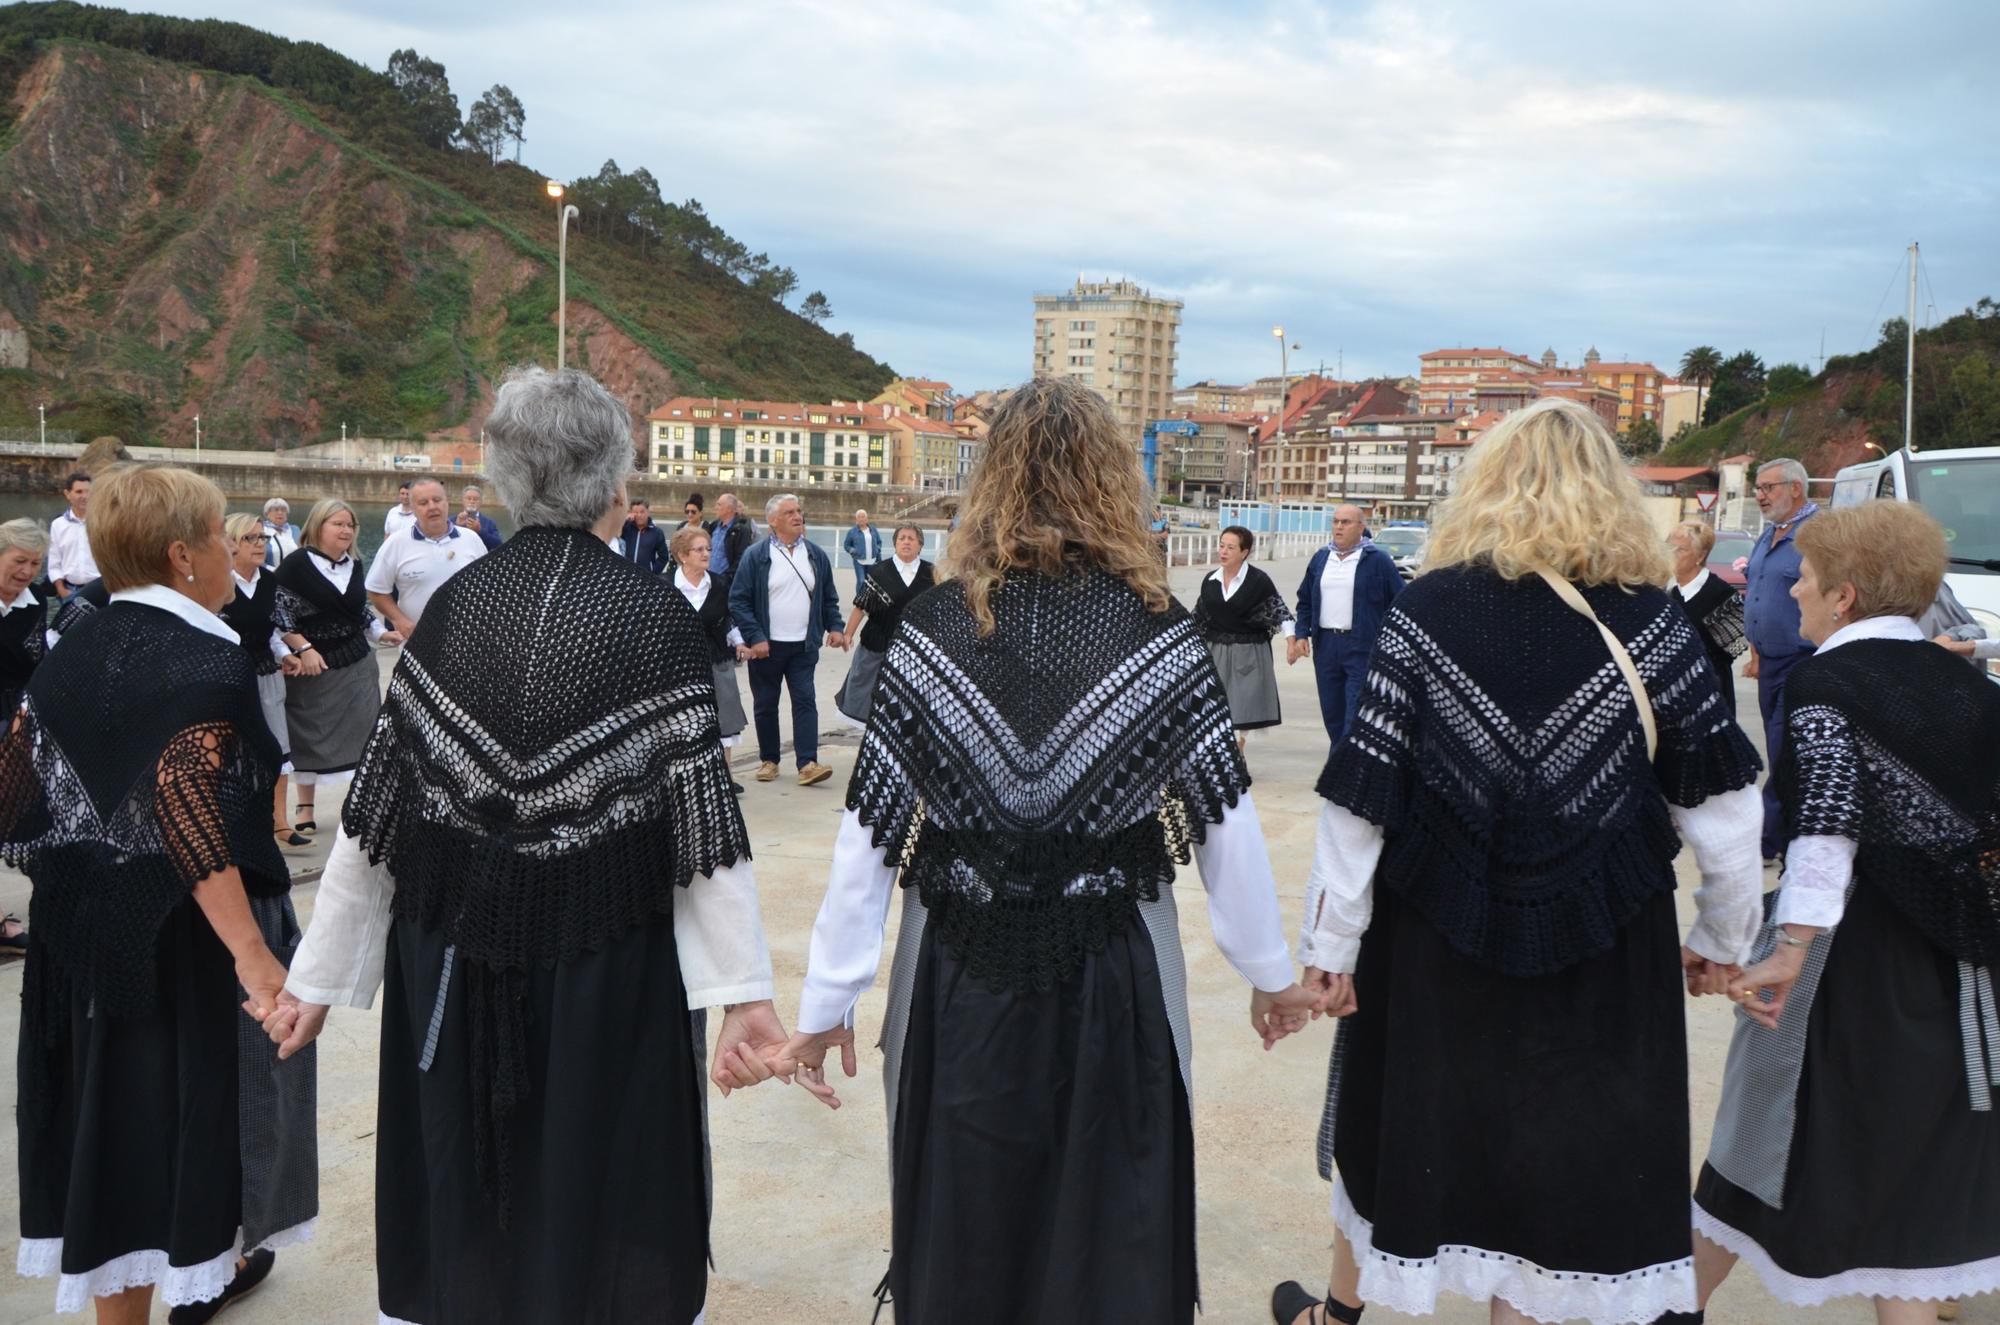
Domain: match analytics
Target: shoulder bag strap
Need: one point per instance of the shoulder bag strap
(1619, 654)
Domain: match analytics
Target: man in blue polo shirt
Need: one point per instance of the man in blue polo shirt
(1771, 618)
(1346, 592)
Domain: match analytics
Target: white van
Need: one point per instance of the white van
(1961, 489)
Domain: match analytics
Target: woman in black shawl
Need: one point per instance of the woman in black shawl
(321, 611)
(542, 853)
(890, 585)
(1711, 603)
(1047, 740)
(1237, 613)
(135, 790)
(1857, 1149)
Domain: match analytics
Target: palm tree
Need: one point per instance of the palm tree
(1699, 365)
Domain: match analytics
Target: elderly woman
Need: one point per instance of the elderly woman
(281, 533)
(134, 790)
(1492, 896)
(1048, 740)
(541, 852)
(321, 611)
(1237, 613)
(1715, 608)
(710, 601)
(1857, 1151)
(249, 612)
(887, 587)
(23, 544)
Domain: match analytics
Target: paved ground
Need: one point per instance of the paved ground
(802, 1222)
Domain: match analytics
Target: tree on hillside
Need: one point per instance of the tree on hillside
(1641, 439)
(775, 282)
(486, 126)
(1785, 378)
(1739, 381)
(433, 107)
(1698, 366)
(815, 309)
(513, 116)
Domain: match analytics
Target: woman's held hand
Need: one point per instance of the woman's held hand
(1274, 1016)
(1334, 992)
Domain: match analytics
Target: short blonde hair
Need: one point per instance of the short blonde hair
(24, 535)
(1700, 537)
(137, 512)
(1547, 487)
(1892, 552)
(240, 525)
(323, 510)
(683, 539)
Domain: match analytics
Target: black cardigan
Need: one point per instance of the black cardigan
(883, 596)
(1251, 615)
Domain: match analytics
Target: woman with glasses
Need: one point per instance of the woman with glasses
(248, 613)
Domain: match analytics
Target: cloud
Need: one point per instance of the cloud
(1384, 178)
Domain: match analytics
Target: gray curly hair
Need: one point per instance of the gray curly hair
(558, 447)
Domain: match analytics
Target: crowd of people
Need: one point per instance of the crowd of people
(542, 870)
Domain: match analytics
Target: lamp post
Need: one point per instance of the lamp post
(42, 413)
(197, 437)
(1284, 388)
(1180, 458)
(563, 212)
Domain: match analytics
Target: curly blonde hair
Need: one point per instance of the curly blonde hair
(1059, 488)
(1547, 487)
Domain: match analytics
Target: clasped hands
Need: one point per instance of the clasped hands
(1759, 990)
(1287, 1012)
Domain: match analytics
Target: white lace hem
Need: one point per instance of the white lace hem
(1933, 1284)
(1553, 1296)
(179, 1285)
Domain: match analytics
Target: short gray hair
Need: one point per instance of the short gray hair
(558, 447)
(416, 483)
(277, 504)
(731, 500)
(24, 535)
(1788, 471)
(771, 506)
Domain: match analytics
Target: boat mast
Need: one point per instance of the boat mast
(1910, 361)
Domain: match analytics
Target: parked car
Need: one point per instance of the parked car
(1406, 544)
(1730, 555)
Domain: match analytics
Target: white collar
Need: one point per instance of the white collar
(685, 585)
(1873, 627)
(912, 563)
(248, 586)
(327, 563)
(1694, 586)
(182, 606)
(451, 531)
(71, 516)
(26, 598)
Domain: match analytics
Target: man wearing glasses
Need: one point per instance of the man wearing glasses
(1771, 618)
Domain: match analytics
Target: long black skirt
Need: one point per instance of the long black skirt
(1043, 1152)
(1525, 1139)
(1892, 1185)
(608, 1212)
(132, 1167)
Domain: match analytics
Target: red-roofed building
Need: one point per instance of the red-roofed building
(927, 451)
(1640, 388)
(1450, 380)
(771, 441)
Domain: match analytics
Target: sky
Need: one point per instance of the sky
(1380, 178)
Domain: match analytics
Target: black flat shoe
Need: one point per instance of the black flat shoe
(1289, 1299)
(288, 838)
(256, 1269)
(736, 786)
(306, 826)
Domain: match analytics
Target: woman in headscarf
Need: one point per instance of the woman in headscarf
(1857, 1149)
(321, 611)
(542, 853)
(1492, 895)
(885, 590)
(135, 790)
(1047, 741)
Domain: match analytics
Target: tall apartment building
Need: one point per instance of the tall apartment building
(1115, 338)
(1452, 380)
(771, 441)
(1641, 388)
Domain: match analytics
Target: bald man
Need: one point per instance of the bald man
(1346, 592)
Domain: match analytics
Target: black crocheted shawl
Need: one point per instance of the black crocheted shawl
(335, 622)
(140, 765)
(1896, 745)
(21, 650)
(92, 597)
(251, 616)
(1251, 615)
(1499, 747)
(545, 771)
(1717, 612)
(1036, 785)
(883, 596)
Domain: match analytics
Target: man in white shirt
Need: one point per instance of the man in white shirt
(783, 600)
(401, 516)
(1346, 592)
(71, 566)
(416, 562)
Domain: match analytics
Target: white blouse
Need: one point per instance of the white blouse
(847, 936)
(697, 594)
(340, 576)
(718, 932)
(279, 649)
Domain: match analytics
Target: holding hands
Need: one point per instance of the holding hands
(1761, 990)
(1704, 976)
(804, 1060)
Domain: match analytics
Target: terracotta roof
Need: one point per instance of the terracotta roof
(1441, 354)
(1669, 473)
(922, 423)
(1739, 460)
(780, 413)
(1603, 367)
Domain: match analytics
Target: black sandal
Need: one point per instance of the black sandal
(1289, 1299)
(288, 837)
(307, 826)
(17, 942)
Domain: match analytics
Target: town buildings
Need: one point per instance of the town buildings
(789, 442)
(1213, 462)
(1116, 338)
(1467, 381)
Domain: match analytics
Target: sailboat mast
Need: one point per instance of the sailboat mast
(1910, 362)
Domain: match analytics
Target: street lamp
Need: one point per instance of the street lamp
(197, 437)
(42, 411)
(1180, 458)
(1284, 386)
(563, 213)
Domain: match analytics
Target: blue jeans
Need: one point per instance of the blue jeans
(1340, 661)
(860, 574)
(790, 666)
(1771, 674)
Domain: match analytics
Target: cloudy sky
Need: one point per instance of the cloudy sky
(1382, 178)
